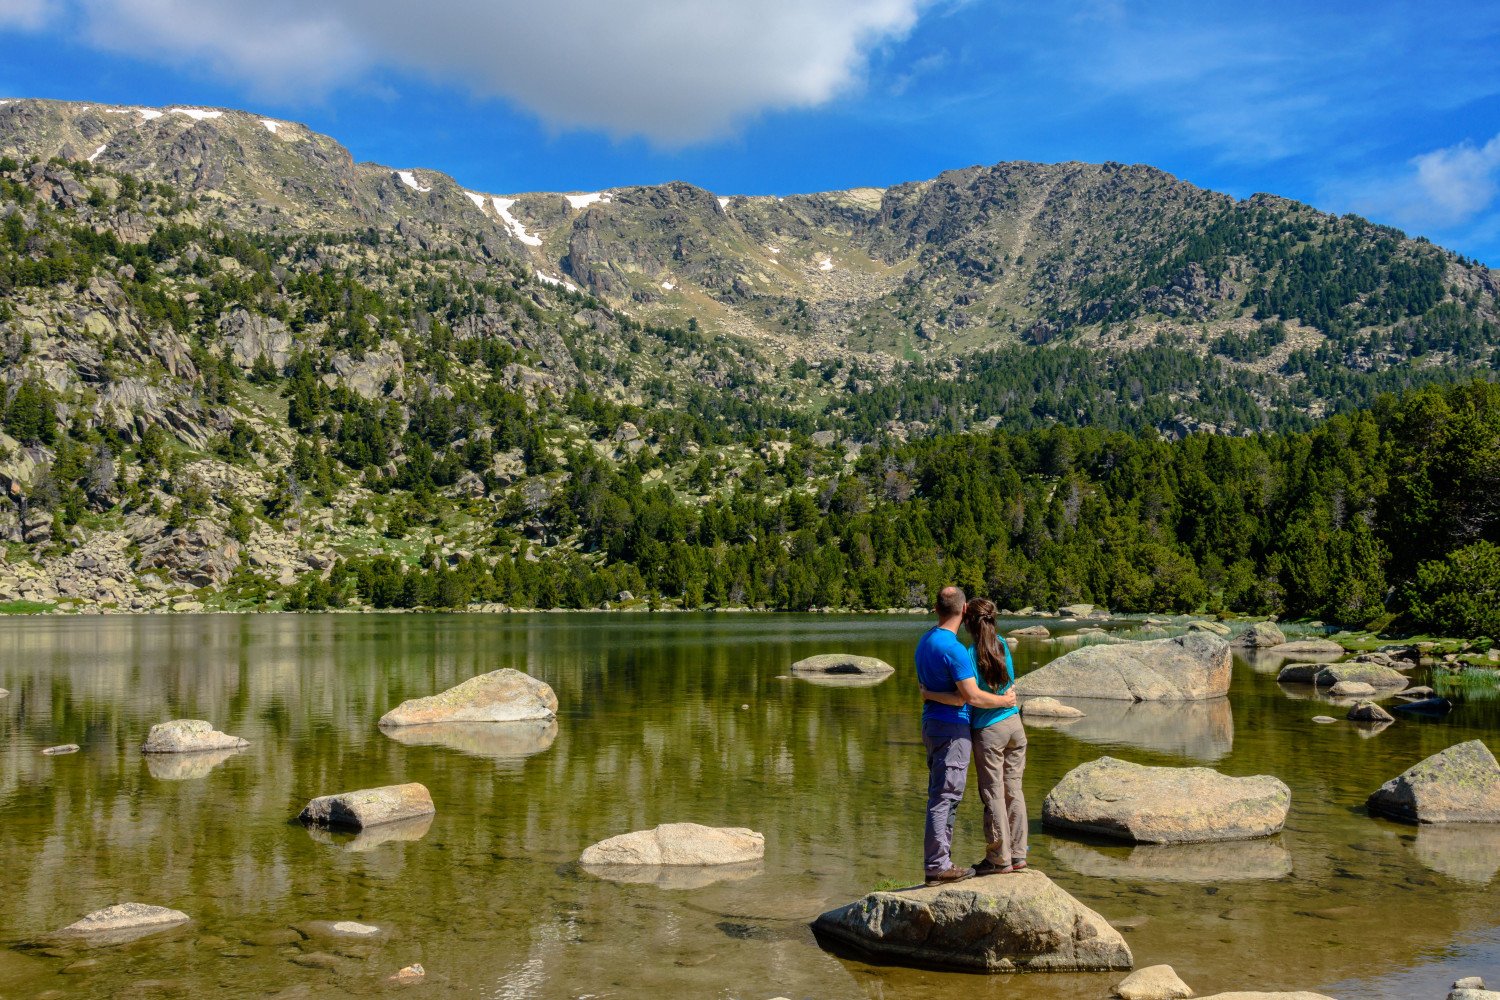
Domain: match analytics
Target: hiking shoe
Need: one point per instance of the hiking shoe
(1018, 865)
(949, 875)
(988, 867)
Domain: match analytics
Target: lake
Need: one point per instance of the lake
(665, 718)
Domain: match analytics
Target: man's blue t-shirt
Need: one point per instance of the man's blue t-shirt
(943, 661)
(979, 718)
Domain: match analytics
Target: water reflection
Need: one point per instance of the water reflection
(1229, 861)
(1465, 852)
(399, 831)
(676, 876)
(502, 741)
(187, 766)
(1198, 730)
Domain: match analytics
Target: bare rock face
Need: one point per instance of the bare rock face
(679, 844)
(1186, 668)
(369, 807)
(200, 556)
(1458, 785)
(1049, 708)
(1020, 922)
(1155, 982)
(1259, 636)
(189, 736)
(1165, 805)
(499, 696)
(121, 923)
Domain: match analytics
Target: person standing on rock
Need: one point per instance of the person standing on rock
(999, 746)
(945, 668)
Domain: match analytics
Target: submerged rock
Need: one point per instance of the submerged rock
(1458, 785)
(58, 751)
(189, 736)
(1260, 635)
(504, 695)
(369, 807)
(1185, 668)
(679, 844)
(1049, 708)
(1155, 982)
(409, 974)
(1020, 922)
(121, 923)
(1165, 805)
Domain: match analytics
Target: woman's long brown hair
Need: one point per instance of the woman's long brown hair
(979, 619)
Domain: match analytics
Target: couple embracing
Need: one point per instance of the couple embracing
(969, 704)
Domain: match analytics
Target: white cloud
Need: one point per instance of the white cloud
(25, 14)
(672, 70)
(1447, 187)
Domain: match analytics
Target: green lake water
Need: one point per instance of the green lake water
(662, 719)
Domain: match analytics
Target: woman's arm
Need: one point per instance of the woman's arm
(974, 695)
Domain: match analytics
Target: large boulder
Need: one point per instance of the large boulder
(1049, 708)
(679, 844)
(1259, 636)
(1030, 631)
(369, 807)
(1186, 668)
(499, 696)
(1459, 785)
(843, 668)
(121, 923)
(1368, 711)
(1165, 805)
(197, 556)
(1019, 922)
(1373, 674)
(1155, 982)
(189, 736)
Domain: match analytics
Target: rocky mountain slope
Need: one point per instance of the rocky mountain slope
(238, 361)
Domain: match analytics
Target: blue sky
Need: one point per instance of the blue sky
(1389, 109)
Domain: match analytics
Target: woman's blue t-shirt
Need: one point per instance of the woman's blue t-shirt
(979, 718)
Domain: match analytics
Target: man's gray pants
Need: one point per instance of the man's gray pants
(948, 745)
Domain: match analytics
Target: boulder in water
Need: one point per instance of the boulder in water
(842, 667)
(1155, 982)
(1260, 635)
(1213, 628)
(679, 844)
(369, 807)
(1458, 785)
(499, 696)
(1299, 673)
(1165, 805)
(1076, 610)
(1368, 711)
(1030, 632)
(59, 751)
(1049, 708)
(1326, 647)
(1019, 922)
(1185, 668)
(1373, 674)
(189, 736)
(121, 923)
(1352, 689)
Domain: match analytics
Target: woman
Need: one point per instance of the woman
(999, 744)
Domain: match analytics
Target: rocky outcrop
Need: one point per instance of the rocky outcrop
(1260, 635)
(1186, 668)
(679, 844)
(200, 556)
(504, 695)
(189, 736)
(1155, 982)
(121, 923)
(1165, 805)
(252, 337)
(1458, 785)
(1049, 708)
(1020, 922)
(369, 807)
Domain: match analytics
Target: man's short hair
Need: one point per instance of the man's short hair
(950, 602)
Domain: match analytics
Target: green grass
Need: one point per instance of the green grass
(891, 885)
(24, 608)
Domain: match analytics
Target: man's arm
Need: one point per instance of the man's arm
(942, 697)
(974, 695)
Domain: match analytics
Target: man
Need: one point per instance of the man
(944, 666)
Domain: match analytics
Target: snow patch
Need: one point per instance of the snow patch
(410, 180)
(668, 285)
(477, 199)
(826, 264)
(5, 102)
(117, 111)
(559, 282)
(197, 114)
(96, 153)
(271, 126)
(150, 114)
(774, 249)
(723, 202)
(503, 205)
(585, 200)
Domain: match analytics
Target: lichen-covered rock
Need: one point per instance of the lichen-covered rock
(1020, 922)
(1299, 673)
(189, 736)
(1458, 785)
(499, 696)
(1260, 635)
(679, 844)
(1155, 982)
(1373, 674)
(1049, 708)
(1185, 668)
(369, 807)
(842, 665)
(1165, 805)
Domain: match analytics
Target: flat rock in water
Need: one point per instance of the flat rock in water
(1458, 785)
(369, 807)
(1165, 805)
(1049, 708)
(1296, 646)
(499, 696)
(121, 923)
(1190, 667)
(1020, 922)
(1416, 693)
(1030, 632)
(347, 930)
(1155, 982)
(1352, 689)
(679, 844)
(1260, 635)
(58, 751)
(842, 664)
(1368, 711)
(189, 736)
(1373, 674)
(1324, 720)
(1076, 610)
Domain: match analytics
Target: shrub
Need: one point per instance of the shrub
(1459, 594)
